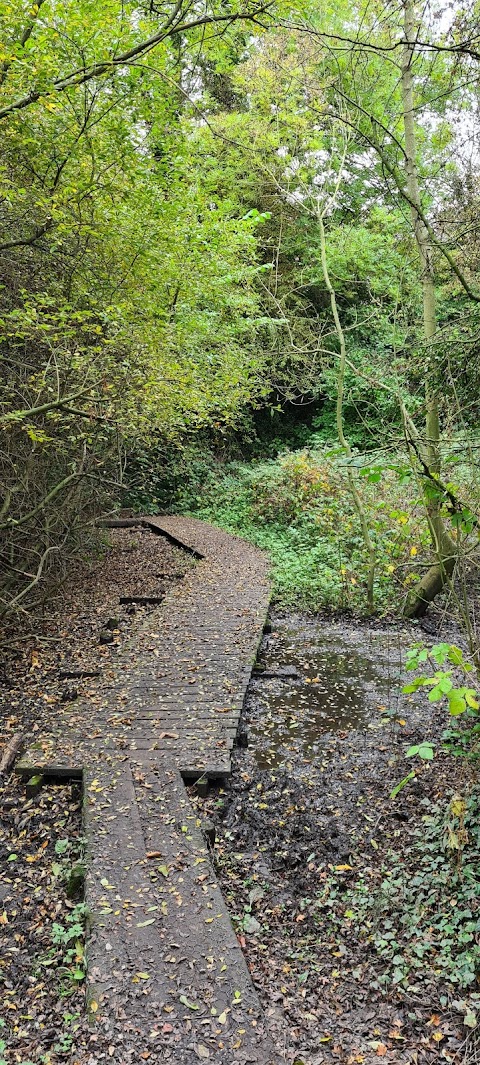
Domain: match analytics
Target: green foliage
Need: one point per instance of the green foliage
(429, 921)
(423, 926)
(298, 509)
(128, 309)
(164, 274)
(68, 951)
(444, 687)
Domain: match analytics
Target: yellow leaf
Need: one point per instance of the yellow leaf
(342, 868)
(413, 552)
(93, 1006)
(458, 808)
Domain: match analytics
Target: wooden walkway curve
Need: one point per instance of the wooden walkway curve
(164, 963)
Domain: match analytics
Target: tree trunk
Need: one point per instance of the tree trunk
(357, 499)
(435, 579)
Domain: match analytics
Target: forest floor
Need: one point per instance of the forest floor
(41, 917)
(358, 914)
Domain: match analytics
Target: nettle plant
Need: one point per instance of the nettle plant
(447, 664)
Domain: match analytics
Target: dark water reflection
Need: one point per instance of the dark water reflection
(342, 684)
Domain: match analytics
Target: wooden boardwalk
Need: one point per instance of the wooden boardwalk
(164, 963)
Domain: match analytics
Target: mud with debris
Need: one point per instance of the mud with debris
(342, 897)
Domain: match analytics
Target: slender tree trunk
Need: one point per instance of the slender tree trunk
(436, 577)
(357, 499)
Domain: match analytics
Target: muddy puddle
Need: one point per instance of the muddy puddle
(307, 832)
(311, 680)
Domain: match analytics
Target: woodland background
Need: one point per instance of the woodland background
(239, 253)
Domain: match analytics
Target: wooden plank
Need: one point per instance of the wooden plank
(162, 943)
(162, 935)
(156, 527)
(122, 943)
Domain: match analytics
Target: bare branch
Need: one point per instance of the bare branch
(25, 242)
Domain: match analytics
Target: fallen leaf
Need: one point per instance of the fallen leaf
(189, 1005)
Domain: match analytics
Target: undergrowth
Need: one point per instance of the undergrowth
(422, 921)
(298, 508)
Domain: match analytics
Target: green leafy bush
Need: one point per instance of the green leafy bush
(298, 508)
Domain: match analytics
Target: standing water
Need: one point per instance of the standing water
(312, 680)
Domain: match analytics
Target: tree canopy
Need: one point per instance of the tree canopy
(167, 174)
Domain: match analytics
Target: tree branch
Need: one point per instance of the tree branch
(13, 523)
(21, 595)
(96, 70)
(20, 415)
(26, 241)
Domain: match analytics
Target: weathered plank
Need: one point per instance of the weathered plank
(161, 943)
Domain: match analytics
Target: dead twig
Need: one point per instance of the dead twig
(11, 752)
